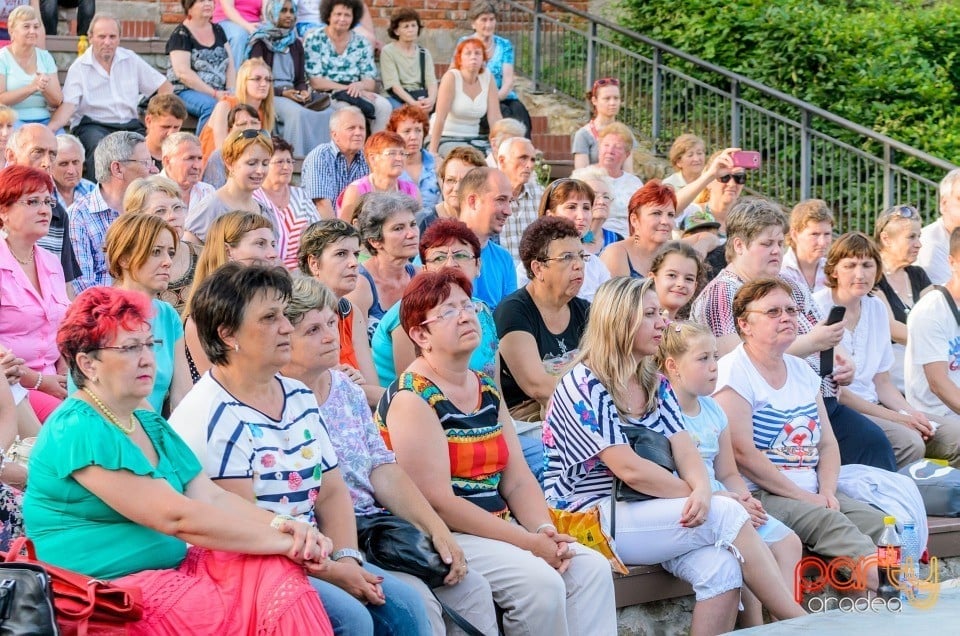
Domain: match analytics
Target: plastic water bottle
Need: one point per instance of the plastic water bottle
(888, 559)
(911, 557)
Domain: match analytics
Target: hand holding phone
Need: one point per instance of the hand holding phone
(749, 159)
(826, 356)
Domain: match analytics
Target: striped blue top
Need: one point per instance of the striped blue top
(581, 422)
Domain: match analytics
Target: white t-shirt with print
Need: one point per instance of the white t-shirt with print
(786, 422)
(932, 336)
(285, 458)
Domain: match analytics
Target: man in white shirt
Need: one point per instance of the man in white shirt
(103, 88)
(935, 238)
(183, 164)
(932, 360)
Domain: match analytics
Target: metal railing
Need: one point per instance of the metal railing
(807, 151)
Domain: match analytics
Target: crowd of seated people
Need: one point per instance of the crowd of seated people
(228, 372)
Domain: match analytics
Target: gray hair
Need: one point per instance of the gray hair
(592, 173)
(338, 115)
(118, 146)
(504, 129)
(376, 208)
(509, 143)
(308, 294)
(946, 185)
(103, 16)
(66, 139)
(173, 141)
(16, 142)
(749, 217)
(481, 7)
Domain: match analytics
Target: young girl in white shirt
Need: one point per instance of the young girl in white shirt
(688, 357)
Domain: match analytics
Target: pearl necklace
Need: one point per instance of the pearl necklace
(110, 416)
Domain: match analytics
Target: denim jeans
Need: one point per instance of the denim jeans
(533, 455)
(237, 38)
(200, 105)
(49, 10)
(403, 614)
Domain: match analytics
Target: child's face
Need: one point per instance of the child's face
(697, 368)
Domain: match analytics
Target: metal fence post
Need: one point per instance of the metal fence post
(806, 156)
(657, 97)
(591, 60)
(537, 10)
(887, 176)
(734, 114)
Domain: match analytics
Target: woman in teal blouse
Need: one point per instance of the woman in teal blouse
(115, 494)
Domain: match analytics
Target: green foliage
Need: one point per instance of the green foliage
(890, 66)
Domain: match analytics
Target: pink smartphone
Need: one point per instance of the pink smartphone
(749, 159)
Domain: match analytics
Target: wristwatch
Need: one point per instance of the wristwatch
(344, 553)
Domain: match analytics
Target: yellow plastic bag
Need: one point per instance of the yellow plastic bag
(585, 527)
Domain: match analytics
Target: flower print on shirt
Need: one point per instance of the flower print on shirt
(954, 354)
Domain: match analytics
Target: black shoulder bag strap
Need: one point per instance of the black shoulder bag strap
(423, 68)
(459, 620)
(950, 301)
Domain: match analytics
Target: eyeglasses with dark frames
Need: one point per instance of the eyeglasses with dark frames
(738, 177)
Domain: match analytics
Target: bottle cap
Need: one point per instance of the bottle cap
(889, 521)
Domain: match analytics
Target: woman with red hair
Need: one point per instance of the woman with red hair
(453, 436)
(114, 478)
(651, 213)
(35, 295)
(385, 154)
(467, 93)
(420, 167)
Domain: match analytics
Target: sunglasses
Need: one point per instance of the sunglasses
(251, 133)
(606, 81)
(901, 211)
(739, 178)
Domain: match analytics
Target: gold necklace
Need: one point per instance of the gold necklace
(25, 261)
(110, 416)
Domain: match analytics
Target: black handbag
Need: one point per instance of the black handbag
(392, 543)
(648, 444)
(369, 112)
(417, 93)
(26, 601)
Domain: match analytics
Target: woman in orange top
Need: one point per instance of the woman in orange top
(329, 251)
(254, 88)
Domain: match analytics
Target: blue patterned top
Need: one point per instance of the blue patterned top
(429, 186)
(88, 230)
(502, 54)
(322, 60)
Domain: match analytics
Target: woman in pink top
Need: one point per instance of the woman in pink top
(33, 292)
(386, 155)
(238, 19)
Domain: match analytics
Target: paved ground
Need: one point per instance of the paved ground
(942, 618)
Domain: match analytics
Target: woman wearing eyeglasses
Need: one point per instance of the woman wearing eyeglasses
(605, 103)
(540, 324)
(255, 89)
(34, 298)
(160, 196)
(246, 155)
(573, 200)
(897, 233)
(386, 155)
(754, 249)
(652, 210)
(140, 250)
(450, 432)
(446, 243)
(291, 205)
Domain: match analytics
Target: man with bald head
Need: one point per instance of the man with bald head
(35, 146)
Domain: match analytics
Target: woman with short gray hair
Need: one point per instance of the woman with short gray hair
(754, 250)
(388, 229)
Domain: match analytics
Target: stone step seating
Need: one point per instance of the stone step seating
(140, 40)
(648, 583)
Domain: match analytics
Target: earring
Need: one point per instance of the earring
(236, 347)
